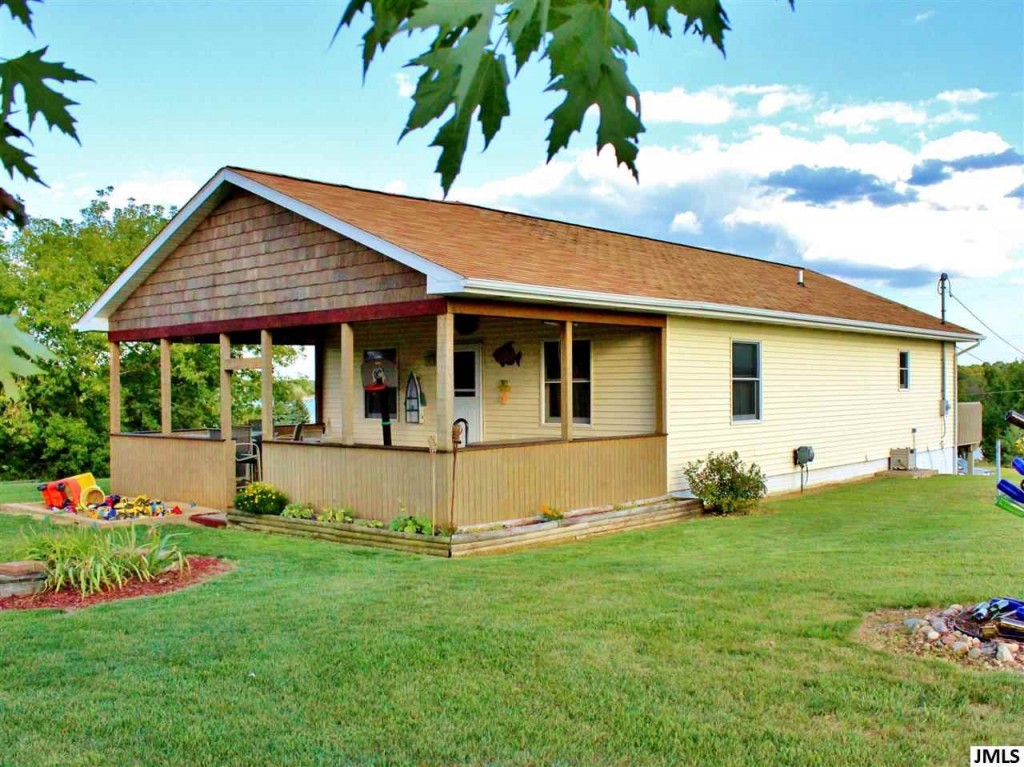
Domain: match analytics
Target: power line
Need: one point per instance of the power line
(985, 324)
(990, 393)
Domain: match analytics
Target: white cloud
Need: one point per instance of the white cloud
(773, 103)
(721, 103)
(964, 224)
(171, 190)
(681, 106)
(966, 96)
(963, 144)
(864, 118)
(395, 187)
(406, 87)
(923, 16)
(686, 222)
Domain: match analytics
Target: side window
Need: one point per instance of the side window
(746, 381)
(904, 370)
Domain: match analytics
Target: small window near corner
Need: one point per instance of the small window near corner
(746, 381)
(904, 370)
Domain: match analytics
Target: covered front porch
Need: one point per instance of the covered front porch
(494, 369)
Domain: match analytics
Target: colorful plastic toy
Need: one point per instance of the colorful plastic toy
(1010, 497)
(62, 493)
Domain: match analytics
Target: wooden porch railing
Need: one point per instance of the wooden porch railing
(493, 483)
(181, 469)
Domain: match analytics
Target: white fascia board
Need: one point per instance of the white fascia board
(501, 289)
(439, 279)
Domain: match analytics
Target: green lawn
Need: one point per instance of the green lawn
(20, 492)
(718, 641)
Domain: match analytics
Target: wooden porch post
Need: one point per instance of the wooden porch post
(225, 387)
(267, 382)
(661, 381)
(566, 349)
(348, 385)
(115, 387)
(445, 395)
(165, 386)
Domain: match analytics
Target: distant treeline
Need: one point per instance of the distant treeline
(999, 386)
(50, 273)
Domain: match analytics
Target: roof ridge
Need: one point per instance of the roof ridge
(575, 225)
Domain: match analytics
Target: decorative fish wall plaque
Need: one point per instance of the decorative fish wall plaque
(506, 355)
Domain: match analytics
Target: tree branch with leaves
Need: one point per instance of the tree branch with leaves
(25, 96)
(585, 42)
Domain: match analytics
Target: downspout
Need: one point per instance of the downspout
(956, 417)
(944, 405)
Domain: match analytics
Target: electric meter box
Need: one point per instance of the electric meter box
(803, 455)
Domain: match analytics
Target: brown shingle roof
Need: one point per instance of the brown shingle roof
(480, 243)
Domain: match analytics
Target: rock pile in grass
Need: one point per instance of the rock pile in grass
(936, 633)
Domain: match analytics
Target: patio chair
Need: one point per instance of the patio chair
(247, 455)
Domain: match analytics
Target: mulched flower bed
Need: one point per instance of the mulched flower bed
(200, 569)
(933, 634)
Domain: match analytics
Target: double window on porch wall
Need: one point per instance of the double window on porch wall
(581, 382)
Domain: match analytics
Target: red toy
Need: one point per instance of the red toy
(67, 492)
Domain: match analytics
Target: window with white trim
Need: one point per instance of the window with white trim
(746, 381)
(553, 382)
(904, 370)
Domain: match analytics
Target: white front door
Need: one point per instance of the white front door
(468, 395)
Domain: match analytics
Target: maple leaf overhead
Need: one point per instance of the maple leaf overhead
(26, 92)
(465, 72)
(11, 362)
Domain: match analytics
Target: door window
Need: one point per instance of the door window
(465, 373)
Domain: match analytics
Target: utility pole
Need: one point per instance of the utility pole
(943, 289)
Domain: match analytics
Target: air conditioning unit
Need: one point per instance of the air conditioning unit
(902, 459)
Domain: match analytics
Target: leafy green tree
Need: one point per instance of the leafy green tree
(585, 43)
(999, 386)
(52, 271)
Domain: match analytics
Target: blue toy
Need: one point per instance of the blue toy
(1010, 497)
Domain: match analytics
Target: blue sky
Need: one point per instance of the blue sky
(878, 141)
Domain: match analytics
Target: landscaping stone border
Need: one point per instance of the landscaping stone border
(514, 536)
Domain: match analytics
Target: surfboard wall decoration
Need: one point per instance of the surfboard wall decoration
(414, 399)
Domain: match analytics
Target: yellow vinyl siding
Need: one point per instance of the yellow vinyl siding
(837, 392)
(623, 379)
(412, 339)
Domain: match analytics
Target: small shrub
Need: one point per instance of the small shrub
(261, 498)
(299, 511)
(91, 560)
(551, 513)
(336, 514)
(412, 524)
(375, 524)
(725, 484)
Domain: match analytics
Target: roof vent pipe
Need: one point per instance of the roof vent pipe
(800, 277)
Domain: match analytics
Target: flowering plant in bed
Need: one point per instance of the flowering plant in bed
(261, 498)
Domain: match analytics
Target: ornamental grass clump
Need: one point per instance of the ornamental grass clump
(261, 498)
(90, 560)
(725, 484)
